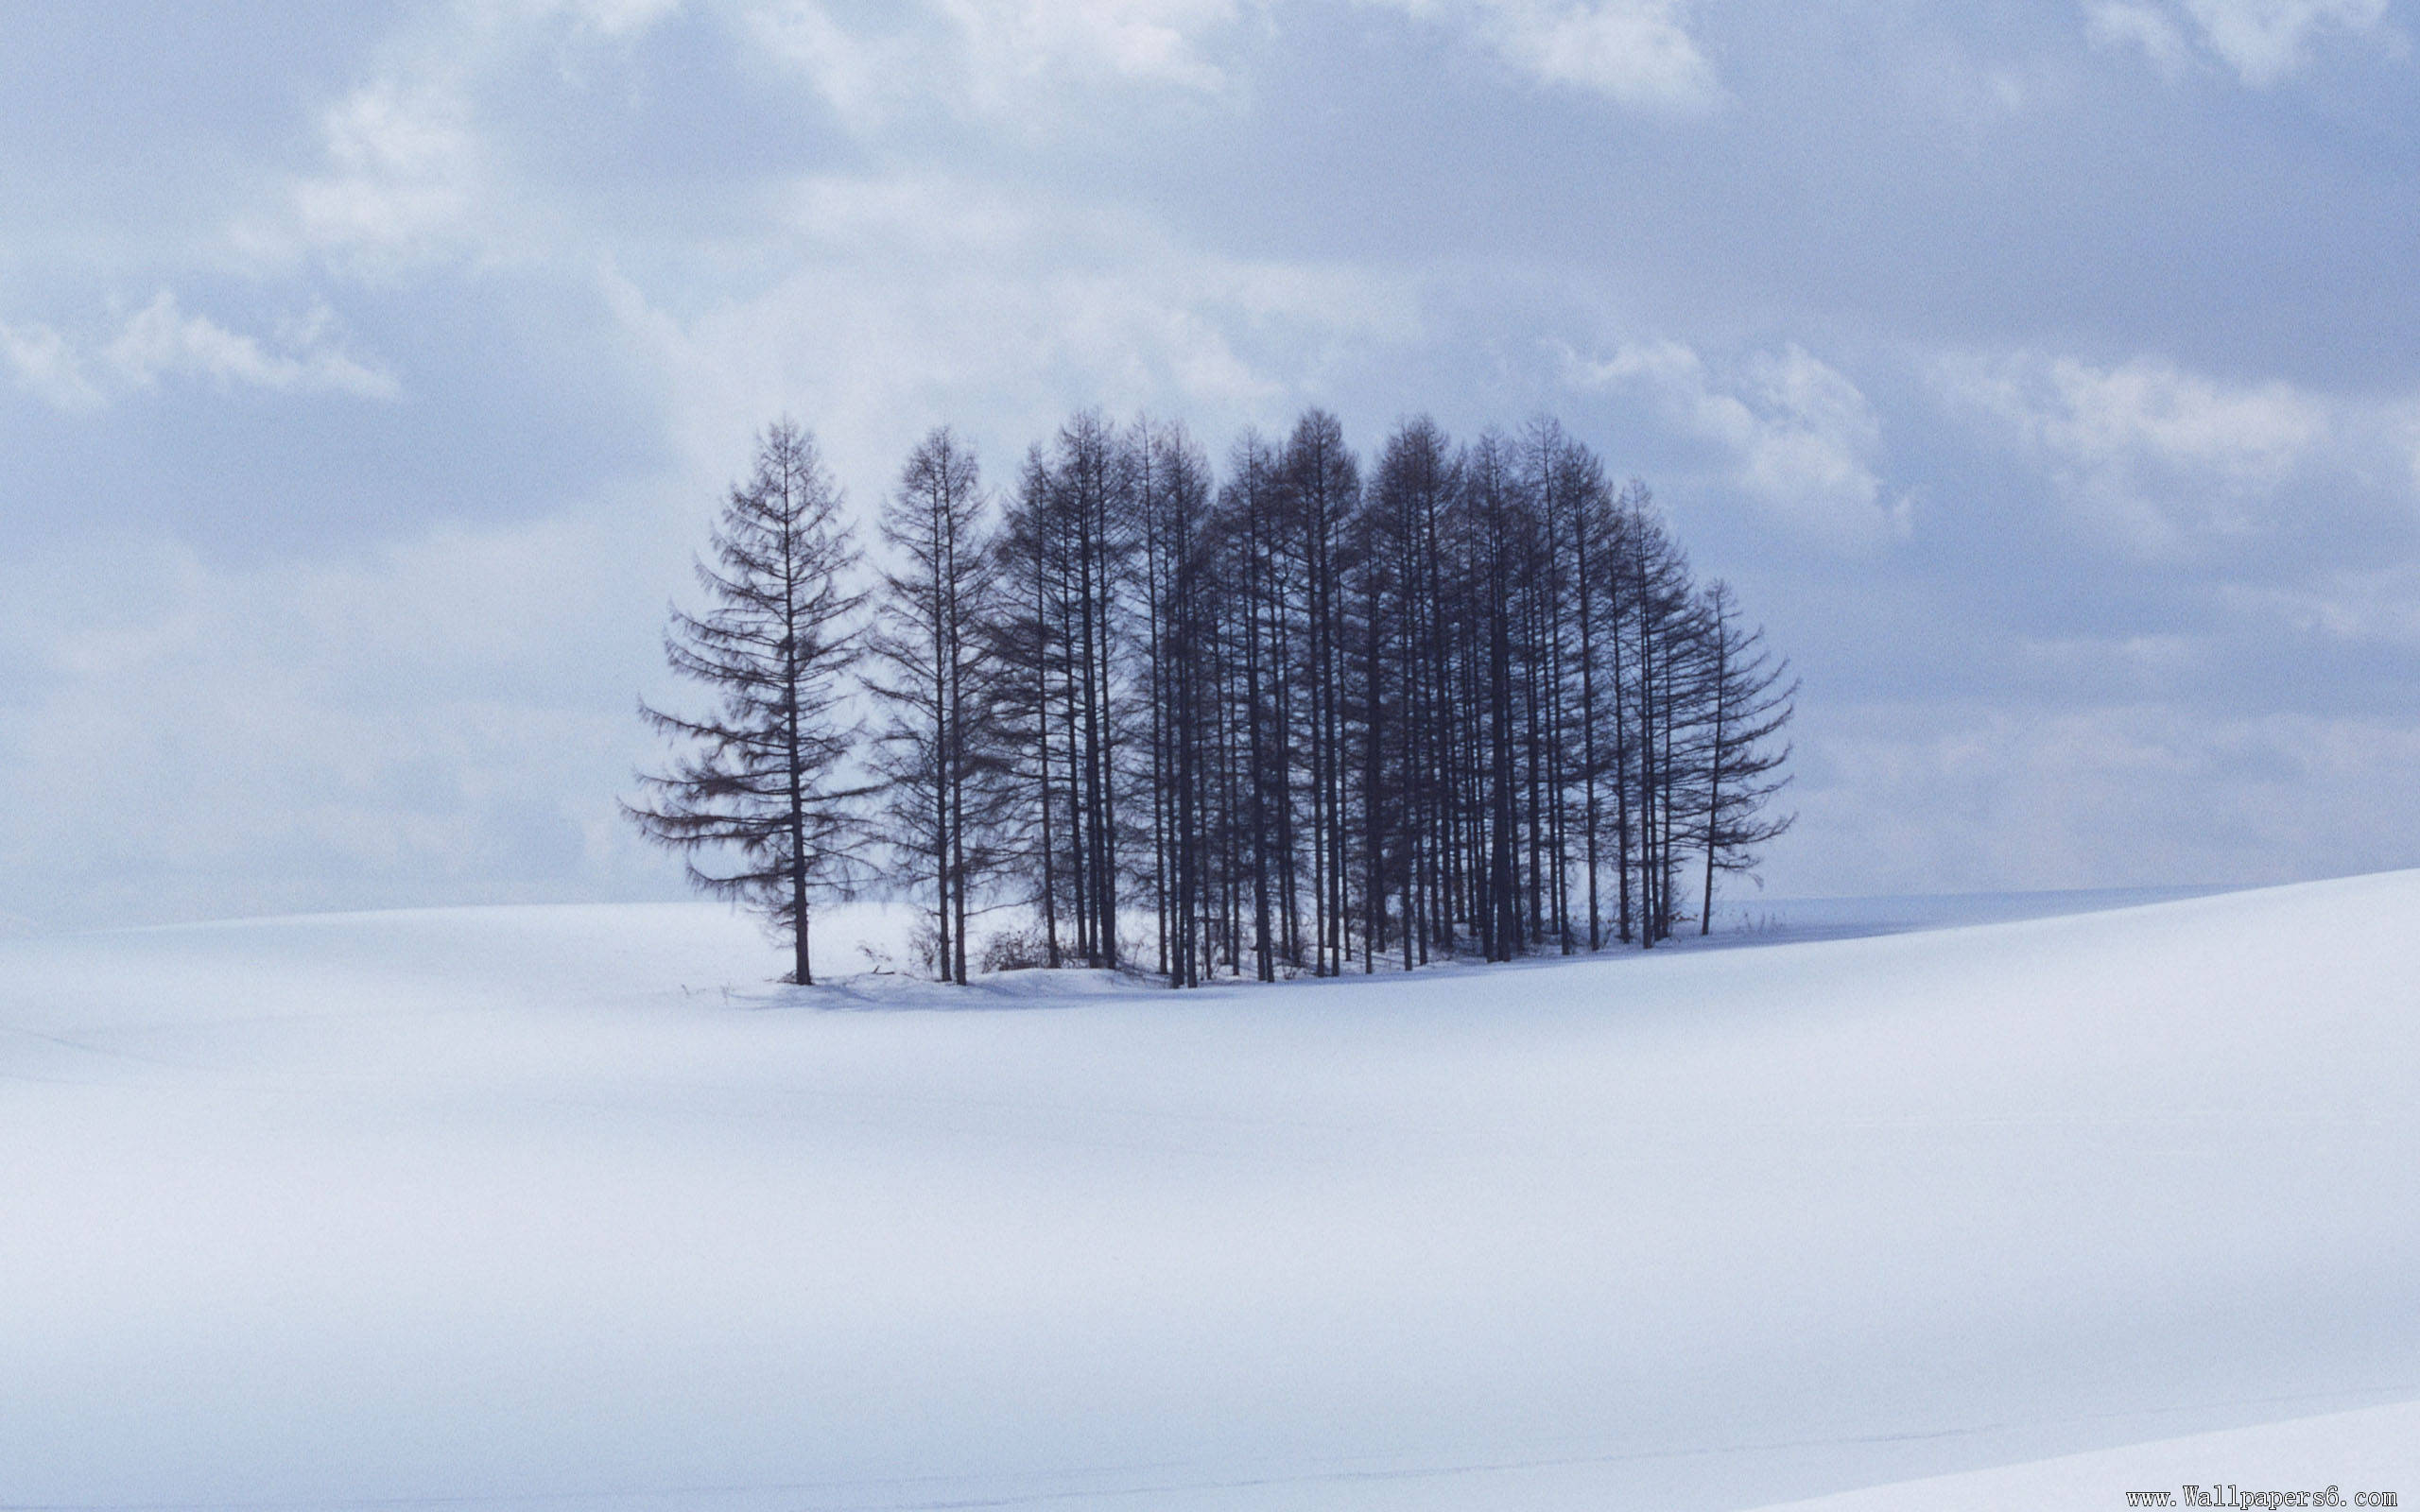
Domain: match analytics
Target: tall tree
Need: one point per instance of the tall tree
(1321, 487)
(753, 801)
(930, 676)
(1495, 514)
(1249, 501)
(1026, 644)
(1745, 705)
(1171, 498)
(1300, 713)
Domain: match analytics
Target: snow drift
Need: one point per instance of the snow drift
(562, 1208)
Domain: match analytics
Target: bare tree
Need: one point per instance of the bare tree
(755, 784)
(1745, 705)
(930, 674)
(1299, 710)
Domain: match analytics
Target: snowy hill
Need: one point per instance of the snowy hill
(558, 1208)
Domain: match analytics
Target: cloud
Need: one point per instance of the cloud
(908, 300)
(402, 177)
(865, 78)
(445, 720)
(991, 213)
(401, 174)
(1155, 42)
(48, 367)
(1637, 53)
(425, 161)
(2156, 456)
(1803, 439)
(2262, 40)
(2373, 603)
(1006, 63)
(2265, 40)
(161, 340)
(407, 172)
(2121, 23)
(1945, 798)
(2405, 429)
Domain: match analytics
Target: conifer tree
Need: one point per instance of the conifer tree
(753, 800)
(1744, 705)
(930, 676)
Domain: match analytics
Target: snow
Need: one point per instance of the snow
(565, 1208)
(1756, 919)
(2353, 1453)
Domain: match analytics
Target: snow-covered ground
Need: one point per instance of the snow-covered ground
(564, 1209)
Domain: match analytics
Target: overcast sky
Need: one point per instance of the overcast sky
(2044, 374)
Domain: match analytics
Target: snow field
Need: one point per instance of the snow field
(563, 1208)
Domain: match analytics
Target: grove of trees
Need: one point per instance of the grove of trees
(1289, 714)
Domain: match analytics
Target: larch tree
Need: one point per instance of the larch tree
(1745, 706)
(1302, 718)
(930, 674)
(753, 800)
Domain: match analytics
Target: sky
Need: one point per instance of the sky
(2044, 374)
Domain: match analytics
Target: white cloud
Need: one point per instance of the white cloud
(2122, 23)
(1945, 798)
(413, 171)
(1803, 439)
(1152, 40)
(406, 173)
(445, 720)
(905, 301)
(863, 78)
(402, 180)
(399, 165)
(2153, 454)
(2262, 40)
(619, 18)
(2405, 426)
(2373, 603)
(161, 340)
(48, 367)
(2265, 40)
(1006, 61)
(1636, 52)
